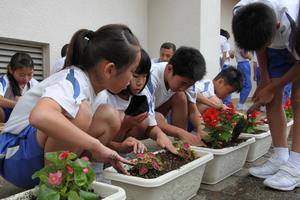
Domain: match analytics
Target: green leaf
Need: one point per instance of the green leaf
(80, 177)
(46, 193)
(88, 195)
(72, 195)
(52, 156)
(71, 156)
(81, 163)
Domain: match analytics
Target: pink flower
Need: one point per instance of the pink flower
(186, 146)
(143, 170)
(55, 178)
(85, 158)
(63, 155)
(70, 169)
(85, 170)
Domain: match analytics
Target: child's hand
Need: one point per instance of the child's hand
(163, 141)
(134, 145)
(195, 140)
(105, 154)
(132, 121)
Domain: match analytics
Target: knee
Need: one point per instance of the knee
(179, 98)
(109, 116)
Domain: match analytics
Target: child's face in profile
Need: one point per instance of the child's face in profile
(23, 75)
(222, 89)
(178, 83)
(137, 83)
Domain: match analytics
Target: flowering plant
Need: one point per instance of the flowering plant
(147, 161)
(288, 109)
(184, 150)
(252, 122)
(219, 125)
(65, 177)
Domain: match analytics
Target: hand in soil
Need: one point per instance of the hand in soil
(194, 140)
(165, 143)
(133, 145)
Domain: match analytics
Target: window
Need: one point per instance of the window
(38, 51)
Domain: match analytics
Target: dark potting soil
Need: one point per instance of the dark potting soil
(258, 132)
(169, 162)
(229, 144)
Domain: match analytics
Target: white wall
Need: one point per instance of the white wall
(175, 21)
(55, 21)
(191, 23)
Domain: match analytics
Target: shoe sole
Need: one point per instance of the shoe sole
(283, 189)
(260, 176)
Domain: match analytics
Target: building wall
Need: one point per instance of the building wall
(191, 23)
(55, 21)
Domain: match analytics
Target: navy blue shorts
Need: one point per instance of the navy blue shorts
(7, 112)
(20, 157)
(280, 61)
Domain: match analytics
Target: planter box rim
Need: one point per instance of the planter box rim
(111, 173)
(119, 194)
(227, 149)
(257, 136)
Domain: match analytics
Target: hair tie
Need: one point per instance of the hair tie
(89, 35)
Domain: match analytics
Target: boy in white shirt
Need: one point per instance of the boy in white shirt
(210, 93)
(171, 84)
(269, 27)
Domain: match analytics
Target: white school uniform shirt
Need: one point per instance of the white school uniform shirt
(224, 48)
(6, 89)
(105, 97)
(157, 88)
(68, 88)
(205, 87)
(286, 12)
(58, 65)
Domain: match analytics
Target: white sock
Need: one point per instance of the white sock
(295, 159)
(281, 154)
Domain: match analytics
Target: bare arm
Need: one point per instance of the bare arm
(7, 103)
(206, 101)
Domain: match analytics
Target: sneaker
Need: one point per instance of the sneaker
(286, 179)
(267, 169)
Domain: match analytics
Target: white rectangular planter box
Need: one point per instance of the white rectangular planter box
(260, 147)
(226, 161)
(109, 192)
(180, 184)
(288, 125)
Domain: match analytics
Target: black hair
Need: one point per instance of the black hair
(17, 61)
(232, 77)
(143, 68)
(168, 45)
(114, 42)
(224, 33)
(188, 62)
(64, 50)
(254, 26)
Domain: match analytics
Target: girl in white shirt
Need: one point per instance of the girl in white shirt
(15, 83)
(56, 114)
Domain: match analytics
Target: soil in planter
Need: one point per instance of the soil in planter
(170, 162)
(229, 144)
(34, 198)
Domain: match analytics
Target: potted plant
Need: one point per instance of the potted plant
(263, 139)
(162, 175)
(229, 157)
(69, 177)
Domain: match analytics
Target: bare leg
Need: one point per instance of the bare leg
(296, 111)
(2, 115)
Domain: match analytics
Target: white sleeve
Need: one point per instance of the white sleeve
(191, 94)
(3, 86)
(100, 99)
(150, 98)
(68, 94)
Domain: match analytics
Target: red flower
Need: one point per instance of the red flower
(186, 146)
(254, 114)
(70, 169)
(63, 155)
(55, 178)
(287, 103)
